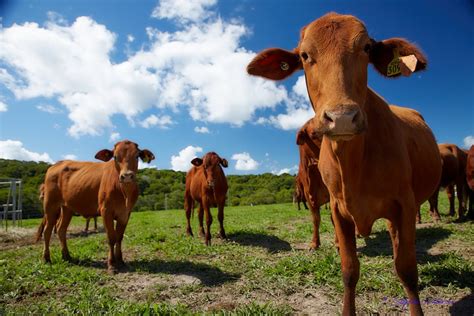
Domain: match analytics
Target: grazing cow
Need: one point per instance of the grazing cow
(206, 184)
(298, 194)
(108, 187)
(377, 161)
(315, 191)
(453, 175)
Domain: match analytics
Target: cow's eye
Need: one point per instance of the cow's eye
(304, 56)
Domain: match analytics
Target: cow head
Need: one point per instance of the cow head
(125, 155)
(308, 134)
(334, 52)
(211, 162)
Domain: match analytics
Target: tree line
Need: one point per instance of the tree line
(159, 189)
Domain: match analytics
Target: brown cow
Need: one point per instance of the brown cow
(298, 194)
(470, 180)
(315, 191)
(377, 161)
(453, 175)
(88, 187)
(206, 183)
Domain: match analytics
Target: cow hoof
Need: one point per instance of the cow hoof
(47, 260)
(222, 235)
(314, 246)
(189, 233)
(208, 242)
(202, 234)
(112, 270)
(67, 258)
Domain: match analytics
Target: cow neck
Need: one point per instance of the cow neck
(349, 158)
(126, 189)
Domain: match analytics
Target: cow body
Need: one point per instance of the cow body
(92, 188)
(314, 189)
(470, 180)
(453, 176)
(206, 184)
(377, 161)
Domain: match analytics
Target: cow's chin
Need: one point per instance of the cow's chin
(127, 181)
(341, 137)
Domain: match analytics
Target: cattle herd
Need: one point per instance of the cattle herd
(364, 157)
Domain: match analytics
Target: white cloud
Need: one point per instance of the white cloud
(114, 136)
(70, 157)
(3, 107)
(202, 130)
(292, 170)
(197, 67)
(130, 38)
(244, 162)
(468, 141)
(183, 10)
(153, 120)
(13, 149)
(48, 108)
(143, 165)
(182, 162)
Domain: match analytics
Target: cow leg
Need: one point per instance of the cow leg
(434, 212)
(403, 234)
(462, 194)
(52, 211)
(207, 211)
(201, 221)
(220, 217)
(299, 208)
(336, 240)
(345, 231)
(316, 218)
(87, 224)
(470, 213)
(111, 238)
(450, 193)
(66, 215)
(121, 225)
(189, 204)
(95, 223)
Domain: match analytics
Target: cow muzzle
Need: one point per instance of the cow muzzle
(127, 177)
(343, 123)
(210, 184)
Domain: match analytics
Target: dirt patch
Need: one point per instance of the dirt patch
(312, 302)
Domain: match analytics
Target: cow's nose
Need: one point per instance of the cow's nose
(127, 176)
(343, 121)
(210, 184)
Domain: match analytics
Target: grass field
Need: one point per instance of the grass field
(263, 268)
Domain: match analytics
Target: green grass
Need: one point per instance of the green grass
(263, 268)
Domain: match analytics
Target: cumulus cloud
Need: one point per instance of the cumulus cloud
(183, 10)
(70, 157)
(3, 107)
(143, 165)
(13, 149)
(195, 67)
(468, 141)
(292, 170)
(114, 136)
(182, 162)
(48, 108)
(244, 162)
(153, 120)
(202, 130)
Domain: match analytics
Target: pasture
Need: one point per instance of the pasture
(263, 268)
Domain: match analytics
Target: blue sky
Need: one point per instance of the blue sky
(75, 76)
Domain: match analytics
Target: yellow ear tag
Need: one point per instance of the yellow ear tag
(146, 159)
(393, 67)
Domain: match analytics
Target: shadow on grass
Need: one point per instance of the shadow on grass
(464, 306)
(380, 244)
(272, 243)
(83, 233)
(207, 274)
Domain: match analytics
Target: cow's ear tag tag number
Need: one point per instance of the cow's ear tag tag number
(393, 67)
(284, 66)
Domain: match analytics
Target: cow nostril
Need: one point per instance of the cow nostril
(356, 117)
(327, 118)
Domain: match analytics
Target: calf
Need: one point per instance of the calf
(377, 161)
(453, 175)
(298, 195)
(206, 184)
(314, 189)
(108, 187)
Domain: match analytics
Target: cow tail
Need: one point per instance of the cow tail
(39, 232)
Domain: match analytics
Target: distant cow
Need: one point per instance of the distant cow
(314, 189)
(377, 161)
(88, 187)
(470, 180)
(453, 176)
(298, 194)
(206, 184)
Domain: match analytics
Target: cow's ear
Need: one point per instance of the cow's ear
(301, 137)
(104, 155)
(396, 56)
(196, 162)
(146, 155)
(224, 163)
(275, 64)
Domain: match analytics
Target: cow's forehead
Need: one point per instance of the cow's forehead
(211, 158)
(332, 30)
(125, 145)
